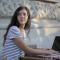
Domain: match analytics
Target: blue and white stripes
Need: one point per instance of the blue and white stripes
(10, 49)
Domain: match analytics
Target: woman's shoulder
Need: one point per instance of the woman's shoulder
(14, 28)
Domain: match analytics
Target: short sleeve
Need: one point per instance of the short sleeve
(14, 32)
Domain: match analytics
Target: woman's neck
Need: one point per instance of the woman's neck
(22, 26)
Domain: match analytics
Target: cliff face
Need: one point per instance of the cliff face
(45, 10)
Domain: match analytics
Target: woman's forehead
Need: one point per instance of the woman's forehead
(23, 10)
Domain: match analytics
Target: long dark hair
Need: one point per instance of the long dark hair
(14, 21)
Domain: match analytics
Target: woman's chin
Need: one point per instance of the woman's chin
(22, 23)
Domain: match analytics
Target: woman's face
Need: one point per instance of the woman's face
(22, 16)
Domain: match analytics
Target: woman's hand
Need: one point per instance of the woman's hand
(48, 51)
(53, 51)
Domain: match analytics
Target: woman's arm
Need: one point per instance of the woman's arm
(19, 42)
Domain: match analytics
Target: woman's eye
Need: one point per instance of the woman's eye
(24, 14)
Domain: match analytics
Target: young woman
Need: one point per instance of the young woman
(14, 45)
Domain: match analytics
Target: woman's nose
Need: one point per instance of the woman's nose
(22, 15)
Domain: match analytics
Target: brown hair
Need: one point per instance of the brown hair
(14, 21)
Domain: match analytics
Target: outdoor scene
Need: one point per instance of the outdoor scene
(45, 20)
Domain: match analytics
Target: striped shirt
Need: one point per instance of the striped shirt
(11, 50)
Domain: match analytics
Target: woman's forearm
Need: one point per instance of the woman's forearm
(37, 51)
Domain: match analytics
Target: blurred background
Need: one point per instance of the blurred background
(45, 20)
